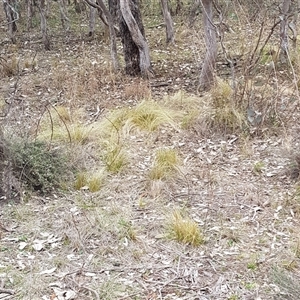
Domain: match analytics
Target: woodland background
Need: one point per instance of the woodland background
(150, 185)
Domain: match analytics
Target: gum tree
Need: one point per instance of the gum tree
(168, 21)
(135, 46)
(209, 63)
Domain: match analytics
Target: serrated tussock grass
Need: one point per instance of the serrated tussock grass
(146, 116)
(9, 67)
(93, 181)
(66, 126)
(115, 157)
(56, 124)
(183, 229)
(227, 114)
(126, 230)
(192, 111)
(165, 164)
(288, 284)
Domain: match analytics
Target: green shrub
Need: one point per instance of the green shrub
(38, 167)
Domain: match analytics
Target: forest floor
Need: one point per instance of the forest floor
(115, 242)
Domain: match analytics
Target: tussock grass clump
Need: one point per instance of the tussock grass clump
(184, 230)
(165, 164)
(146, 116)
(92, 181)
(127, 230)
(115, 158)
(39, 167)
(58, 123)
(294, 167)
(9, 67)
(149, 115)
(192, 111)
(293, 201)
(81, 181)
(227, 115)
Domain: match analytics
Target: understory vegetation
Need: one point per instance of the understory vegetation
(115, 187)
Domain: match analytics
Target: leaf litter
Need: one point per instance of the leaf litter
(80, 245)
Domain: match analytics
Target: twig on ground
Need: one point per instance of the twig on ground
(7, 291)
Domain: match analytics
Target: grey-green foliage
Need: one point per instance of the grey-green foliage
(38, 166)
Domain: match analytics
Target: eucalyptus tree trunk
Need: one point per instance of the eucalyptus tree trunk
(107, 19)
(41, 4)
(284, 39)
(168, 21)
(135, 46)
(11, 16)
(92, 20)
(65, 22)
(114, 9)
(30, 12)
(295, 7)
(294, 23)
(208, 68)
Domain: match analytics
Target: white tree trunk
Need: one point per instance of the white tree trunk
(284, 41)
(63, 15)
(42, 9)
(92, 20)
(113, 43)
(295, 6)
(209, 64)
(168, 21)
(11, 16)
(30, 13)
(137, 37)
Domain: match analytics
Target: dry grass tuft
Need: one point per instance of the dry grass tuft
(63, 113)
(9, 67)
(184, 230)
(294, 168)
(127, 230)
(92, 181)
(60, 124)
(293, 201)
(193, 112)
(146, 116)
(115, 158)
(227, 115)
(149, 115)
(165, 164)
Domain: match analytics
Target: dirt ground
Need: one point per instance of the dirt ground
(113, 243)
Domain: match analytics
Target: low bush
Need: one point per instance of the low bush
(40, 167)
